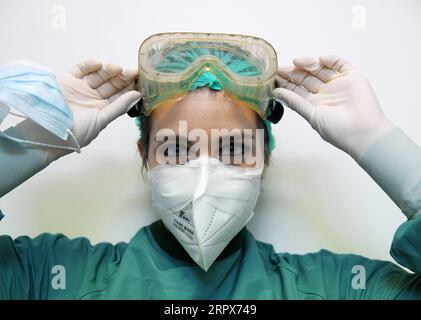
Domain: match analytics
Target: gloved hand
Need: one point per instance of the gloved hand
(336, 100)
(97, 94)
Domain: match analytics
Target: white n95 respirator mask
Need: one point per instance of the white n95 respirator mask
(204, 203)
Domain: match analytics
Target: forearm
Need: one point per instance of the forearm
(18, 162)
(394, 162)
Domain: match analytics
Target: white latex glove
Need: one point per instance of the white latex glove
(336, 100)
(97, 94)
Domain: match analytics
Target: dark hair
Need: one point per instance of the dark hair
(145, 128)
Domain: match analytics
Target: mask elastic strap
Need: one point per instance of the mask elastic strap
(17, 115)
(75, 141)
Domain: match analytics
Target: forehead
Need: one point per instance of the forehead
(206, 109)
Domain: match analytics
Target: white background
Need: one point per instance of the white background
(313, 196)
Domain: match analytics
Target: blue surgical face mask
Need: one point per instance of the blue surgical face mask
(34, 92)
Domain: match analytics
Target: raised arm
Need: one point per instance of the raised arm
(340, 105)
(96, 94)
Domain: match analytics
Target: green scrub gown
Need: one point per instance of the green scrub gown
(154, 266)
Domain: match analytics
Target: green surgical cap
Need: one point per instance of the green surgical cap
(207, 78)
(178, 60)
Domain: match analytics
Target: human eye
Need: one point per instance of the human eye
(232, 152)
(176, 153)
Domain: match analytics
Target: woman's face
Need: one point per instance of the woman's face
(206, 122)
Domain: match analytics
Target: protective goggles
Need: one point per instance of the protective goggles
(172, 64)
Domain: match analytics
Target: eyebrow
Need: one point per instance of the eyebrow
(177, 139)
(253, 136)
